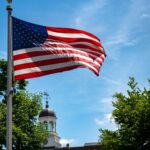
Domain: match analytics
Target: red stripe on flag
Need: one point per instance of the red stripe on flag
(38, 74)
(53, 61)
(54, 52)
(68, 40)
(70, 30)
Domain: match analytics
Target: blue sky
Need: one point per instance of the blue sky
(81, 100)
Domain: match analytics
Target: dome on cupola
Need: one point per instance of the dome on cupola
(47, 112)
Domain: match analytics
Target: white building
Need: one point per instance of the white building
(48, 117)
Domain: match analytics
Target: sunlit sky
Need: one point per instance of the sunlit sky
(81, 100)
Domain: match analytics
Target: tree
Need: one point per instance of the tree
(132, 114)
(28, 133)
(20, 85)
(110, 139)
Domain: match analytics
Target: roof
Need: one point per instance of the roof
(89, 147)
(47, 112)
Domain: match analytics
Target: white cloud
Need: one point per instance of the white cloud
(98, 121)
(106, 100)
(103, 105)
(107, 122)
(145, 15)
(109, 117)
(111, 81)
(121, 39)
(127, 26)
(66, 141)
(85, 13)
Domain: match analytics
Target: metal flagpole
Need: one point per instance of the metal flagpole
(9, 81)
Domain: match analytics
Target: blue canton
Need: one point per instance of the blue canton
(27, 35)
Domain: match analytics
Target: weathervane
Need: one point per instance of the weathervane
(9, 1)
(47, 97)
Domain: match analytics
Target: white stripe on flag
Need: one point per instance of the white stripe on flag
(71, 35)
(48, 57)
(38, 49)
(52, 67)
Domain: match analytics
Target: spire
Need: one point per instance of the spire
(46, 95)
(47, 106)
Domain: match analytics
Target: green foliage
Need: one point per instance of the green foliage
(132, 114)
(28, 133)
(109, 139)
(3, 76)
(20, 85)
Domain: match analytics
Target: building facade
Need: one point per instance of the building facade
(48, 118)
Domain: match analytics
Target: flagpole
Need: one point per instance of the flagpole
(9, 82)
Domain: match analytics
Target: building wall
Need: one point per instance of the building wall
(90, 147)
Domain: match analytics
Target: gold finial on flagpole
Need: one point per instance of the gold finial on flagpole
(9, 1)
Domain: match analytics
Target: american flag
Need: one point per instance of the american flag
(40, 50)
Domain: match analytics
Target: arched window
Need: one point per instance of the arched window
(46, 125)
(51, 126)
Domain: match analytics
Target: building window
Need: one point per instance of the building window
(45, 125)
(51, 126)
